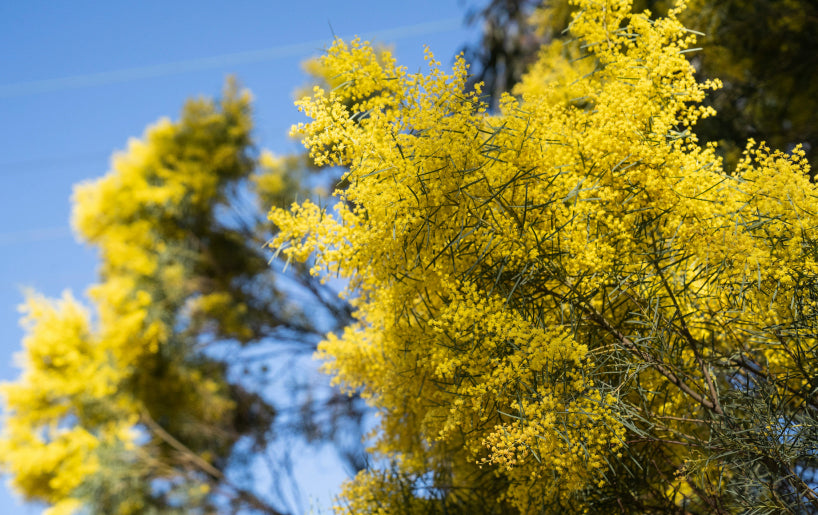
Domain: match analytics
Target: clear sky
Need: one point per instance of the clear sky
(77, 79)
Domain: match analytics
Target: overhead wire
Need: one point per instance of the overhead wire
(33, 87)
(34, 235)
(186, 66)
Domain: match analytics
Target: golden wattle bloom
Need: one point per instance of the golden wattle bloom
(543, 293)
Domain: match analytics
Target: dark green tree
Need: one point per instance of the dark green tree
(765, 52)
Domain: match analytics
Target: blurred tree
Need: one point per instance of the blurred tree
(157, 400)
(765, 52)
(569, 305)
(508, 44)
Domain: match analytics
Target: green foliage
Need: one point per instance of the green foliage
(764, 52)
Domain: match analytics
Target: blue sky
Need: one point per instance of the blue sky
(79, 78)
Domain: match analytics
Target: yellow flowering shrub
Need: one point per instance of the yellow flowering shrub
(111, 404)
(554, 301)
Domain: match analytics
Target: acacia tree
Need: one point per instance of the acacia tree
(157, 400)
(569, 305)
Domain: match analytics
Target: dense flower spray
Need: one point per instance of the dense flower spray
(555, 302)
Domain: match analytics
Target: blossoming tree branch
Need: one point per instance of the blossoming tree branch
(568, 305)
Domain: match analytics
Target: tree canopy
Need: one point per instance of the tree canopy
(569, 305)
(130, 407)
(763, 51)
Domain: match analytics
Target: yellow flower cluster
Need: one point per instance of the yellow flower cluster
(495, 261)
(63, 371)
(86, 384)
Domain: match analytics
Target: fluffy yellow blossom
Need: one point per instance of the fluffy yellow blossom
(123, 396)
(549, 294)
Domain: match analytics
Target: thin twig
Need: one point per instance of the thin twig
(245, 495)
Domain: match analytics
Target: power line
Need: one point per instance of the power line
(33, 235)
(160, 70)
(39, 163)
(208, 63)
